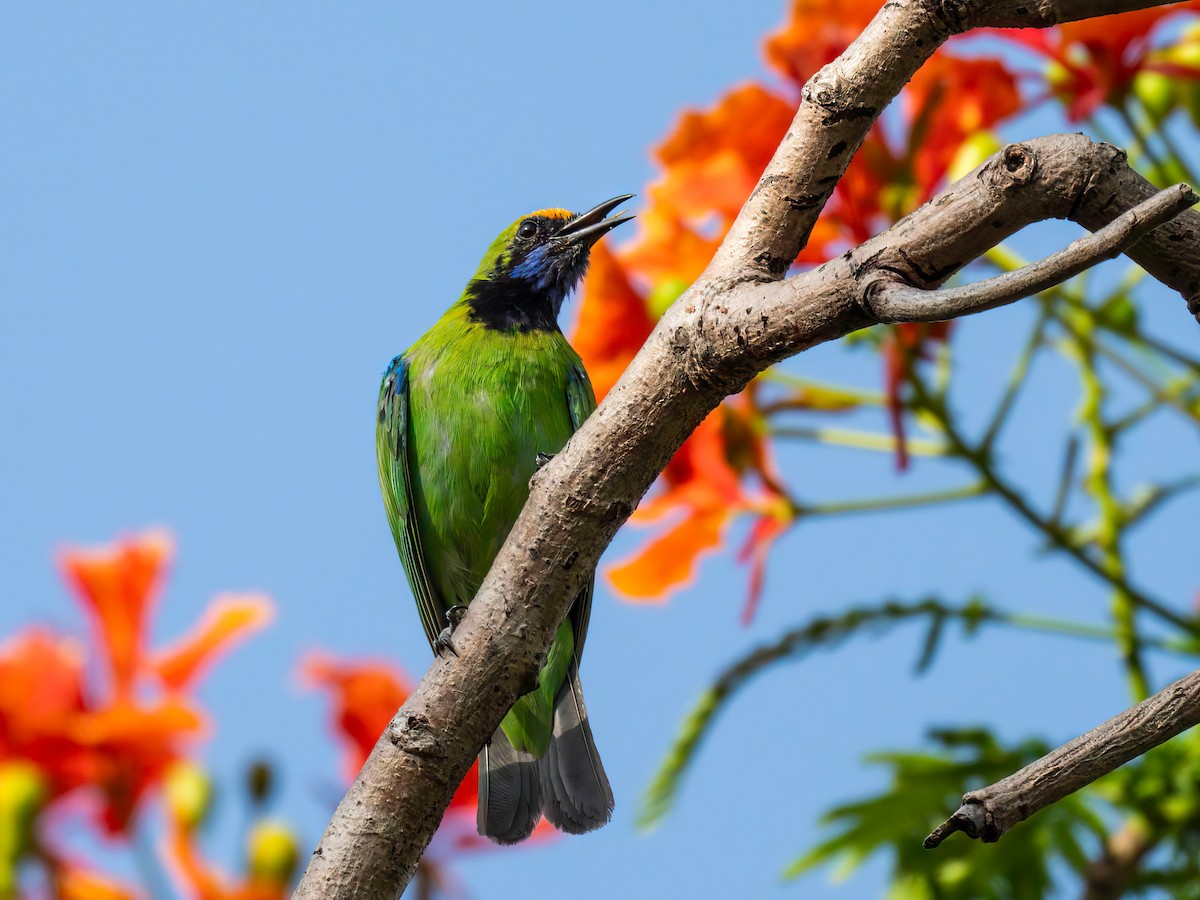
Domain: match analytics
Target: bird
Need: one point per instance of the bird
(466, 417)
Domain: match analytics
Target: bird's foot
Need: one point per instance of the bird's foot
(542, 458)
(442, 643)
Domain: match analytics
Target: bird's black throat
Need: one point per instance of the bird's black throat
(504, 303)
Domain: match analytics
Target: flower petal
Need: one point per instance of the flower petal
(613, 321)
(669, 562)
(118, 585)
(365, 696)
(229, 619)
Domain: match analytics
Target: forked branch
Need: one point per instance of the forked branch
(893, 300)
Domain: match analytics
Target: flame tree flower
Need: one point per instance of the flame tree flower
(107, 732)
(365, 694)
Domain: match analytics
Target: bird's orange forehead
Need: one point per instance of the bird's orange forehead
(554, 213)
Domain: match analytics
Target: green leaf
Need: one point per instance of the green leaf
(924, 785)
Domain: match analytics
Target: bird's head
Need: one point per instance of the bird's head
(533, 265)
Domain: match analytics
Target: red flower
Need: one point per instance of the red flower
(904, 346)
(704, 491)
(816, 33)
(947, 102)
(365, 696)
(1094, 61)
(118, 737)
(613, 321)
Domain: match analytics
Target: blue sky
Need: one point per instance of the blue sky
(221, 221)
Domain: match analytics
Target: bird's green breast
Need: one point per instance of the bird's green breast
(483, 404)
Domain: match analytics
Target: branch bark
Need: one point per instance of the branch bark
(736, 320)
(894, 300)
(987, 814)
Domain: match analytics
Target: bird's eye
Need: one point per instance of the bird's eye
(528, 229)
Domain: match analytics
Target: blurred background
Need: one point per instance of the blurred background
(220, 222)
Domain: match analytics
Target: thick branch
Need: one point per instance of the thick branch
(893, 300)
(989, 813)
(728, 327)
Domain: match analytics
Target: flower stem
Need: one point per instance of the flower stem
(860, 440)
(909, 501)
(1055, 533)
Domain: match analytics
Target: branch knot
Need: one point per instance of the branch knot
(1019, 163)
(414, 734)
(953, 15)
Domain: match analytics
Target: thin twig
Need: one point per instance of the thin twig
(987, 814)
(1016, 380)
(1066, 476)
(1056, 534)
(859, 440)
(879, 504)
(894, 301)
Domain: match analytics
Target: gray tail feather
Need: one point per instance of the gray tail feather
(575, 791)
(510, 793)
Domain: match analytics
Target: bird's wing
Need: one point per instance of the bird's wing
(391, 453)
(581, 402)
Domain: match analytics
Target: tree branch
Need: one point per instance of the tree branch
(987, 814)
(734, 322)
(893, 300)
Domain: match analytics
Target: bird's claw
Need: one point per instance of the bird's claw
(542, 458)
(442, 643)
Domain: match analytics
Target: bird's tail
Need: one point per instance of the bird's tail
(576, 795)
(510, 792)
(567, 783)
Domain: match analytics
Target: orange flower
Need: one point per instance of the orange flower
(118, 737)
(613, 321)
(41, 698)
(74, 883)
(271, 856)
(947, 101)
(704, 492)
(1094, 61)
(904, 345)
(713, 159)
(118, 585)
(365, 696)
(228, 619)
(666, 253)
(815, 34)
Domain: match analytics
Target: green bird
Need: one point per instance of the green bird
(466, 416)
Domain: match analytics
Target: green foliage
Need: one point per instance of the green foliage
(923, 785)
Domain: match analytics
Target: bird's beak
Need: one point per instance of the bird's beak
(587, 228)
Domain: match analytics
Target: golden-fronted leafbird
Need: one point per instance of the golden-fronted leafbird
(466, 416)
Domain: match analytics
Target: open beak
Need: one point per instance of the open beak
(587, 228)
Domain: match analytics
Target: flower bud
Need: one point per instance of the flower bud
(971, 152)
(189, 794)
(1187, 53)
(260, 781)
(1156, 93)
(23, 793)
(272, 853)
(664, 294)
